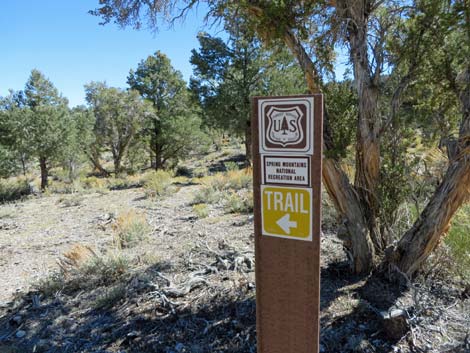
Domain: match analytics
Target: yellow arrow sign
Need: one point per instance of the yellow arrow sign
(286, 212)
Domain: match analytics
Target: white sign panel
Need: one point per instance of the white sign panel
(286, 170)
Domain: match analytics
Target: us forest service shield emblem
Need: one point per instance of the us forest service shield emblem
(284, 126)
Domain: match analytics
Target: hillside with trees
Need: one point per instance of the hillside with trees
(391, 46)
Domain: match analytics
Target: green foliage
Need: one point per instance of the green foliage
(228, 73)
(34, 123)
(201, 210)
(157, 183)
(231, 189)
(97, 270)
(411, 71)
(130, 228)
(79, 140)
(231, 166)
(119, 118)
(397, 179)
(239, 202)
(458, 240)
(13, 189)
(341, 106)
(173, 130)
(48, 119)
(14, 145)
(8, 162)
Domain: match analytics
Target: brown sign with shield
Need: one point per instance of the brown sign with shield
(287, 151)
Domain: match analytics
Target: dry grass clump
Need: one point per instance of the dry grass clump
(239, 202)
(130, 228)
(103, 185)
(77, 256)
(201, 210)
(81, 268)
(65, 187)
(222, 186)
(94, 183)
(13, 189)
(209, 193)
(157, 183)
(126, 182)
(110, 297)
(71, 201)
(199, 172)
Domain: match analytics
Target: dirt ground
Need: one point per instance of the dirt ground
(192, 286)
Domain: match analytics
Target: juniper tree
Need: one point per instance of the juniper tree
(386, 41)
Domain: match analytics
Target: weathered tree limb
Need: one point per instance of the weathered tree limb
(356, 16)
(343, 194)
(418, 242)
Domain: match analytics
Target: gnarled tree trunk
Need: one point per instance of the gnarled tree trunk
(355, 14)
(248, 140)
(358, 204)
(94, 157)
(418, 242)
(345, 198)
(44, 172)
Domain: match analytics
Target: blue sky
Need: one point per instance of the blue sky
(59, 38)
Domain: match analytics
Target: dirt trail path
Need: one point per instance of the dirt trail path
(34, 233)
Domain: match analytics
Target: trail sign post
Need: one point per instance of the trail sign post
(287, 151)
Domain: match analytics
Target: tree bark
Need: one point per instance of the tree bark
(248, 140)
(418, 242)
(358, 204)
(355, 239)
(156, 147)
(72, 170)
(368, 124)
(117, 165)
(159, 161)
(97, 166)
(94, 158)
(23, 163)
(357, 242)
(44, 172)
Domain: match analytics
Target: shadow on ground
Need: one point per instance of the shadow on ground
(210, 318)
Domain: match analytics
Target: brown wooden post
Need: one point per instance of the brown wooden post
(287, 162)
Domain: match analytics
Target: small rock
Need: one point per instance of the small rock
(179, 347)
(42, 346)
(17, 319)
(133, 334)
(395, 323)
(20, 334)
